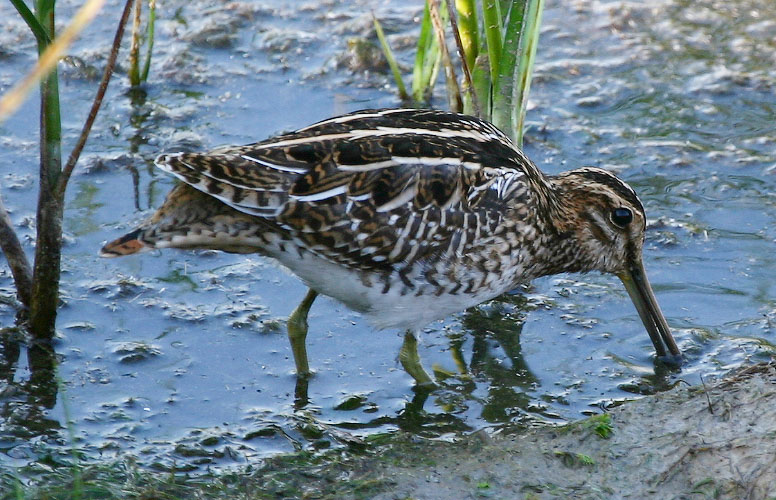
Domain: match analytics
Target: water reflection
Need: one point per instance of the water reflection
(25, 404)
(496, 364)
(139, 136)
(496, 381)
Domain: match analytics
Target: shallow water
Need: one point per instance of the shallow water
(181, 359)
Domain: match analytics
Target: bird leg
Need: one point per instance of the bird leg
(297, 333)
(408, 356)
(456, 351)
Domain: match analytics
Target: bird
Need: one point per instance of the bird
(406, 216)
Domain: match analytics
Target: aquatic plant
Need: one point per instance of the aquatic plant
(496, 58)
(137, 75)
(38, 285)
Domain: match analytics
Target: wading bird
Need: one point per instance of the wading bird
(406, 216)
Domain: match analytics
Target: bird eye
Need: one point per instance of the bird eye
(622, 217)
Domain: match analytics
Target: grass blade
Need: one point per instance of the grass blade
(437, 62)
(470, 101)
(529, 41)
(32, 22)
(468, 30)
(492, 16)
(427, 59)
(134, 47)
(388, 53)
(503, 86)
(451, 80)
(149, 40)
(482, 87)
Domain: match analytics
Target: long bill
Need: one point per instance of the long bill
(635, 280)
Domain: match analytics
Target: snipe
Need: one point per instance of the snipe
(406, 216)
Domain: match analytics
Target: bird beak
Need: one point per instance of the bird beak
(635, 280)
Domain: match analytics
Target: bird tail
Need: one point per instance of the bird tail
(132, 242)
(194, 220)
(158, 230)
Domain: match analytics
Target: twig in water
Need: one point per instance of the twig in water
(17, 260)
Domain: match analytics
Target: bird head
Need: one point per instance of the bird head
(605, 224)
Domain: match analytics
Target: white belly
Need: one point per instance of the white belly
(398, 307)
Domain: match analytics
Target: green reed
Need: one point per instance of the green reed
(138, 74)
(38, 285)
(496, 44)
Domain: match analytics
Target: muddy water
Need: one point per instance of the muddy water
(181, 357)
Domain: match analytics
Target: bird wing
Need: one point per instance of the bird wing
(370, 187)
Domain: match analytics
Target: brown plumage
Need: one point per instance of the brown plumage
(404, 215)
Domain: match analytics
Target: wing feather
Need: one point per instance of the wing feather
(403, 178)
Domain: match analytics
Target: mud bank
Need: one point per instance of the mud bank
(690, 442)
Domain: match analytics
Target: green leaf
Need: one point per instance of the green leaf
(492, 16)
(529, 41)
(503, 85)
(149, 40)
(32, 22)
(481, 80)
(391, 59)
(468, 29)
(427, 59)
